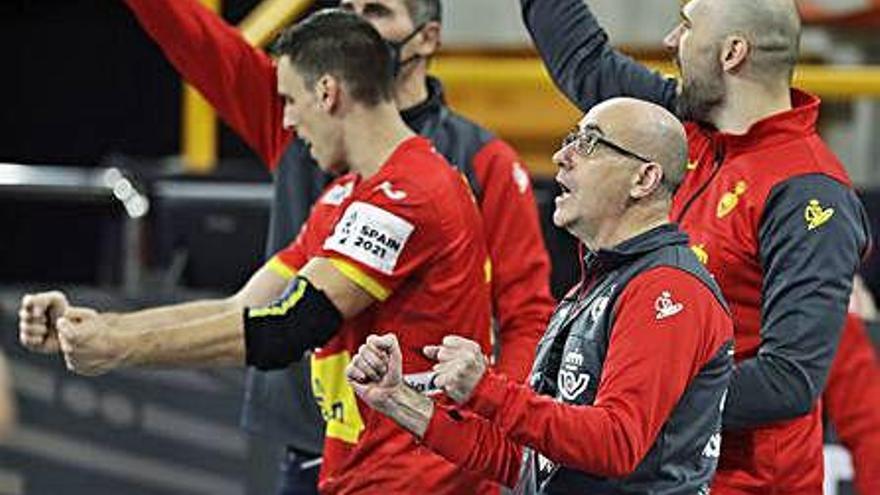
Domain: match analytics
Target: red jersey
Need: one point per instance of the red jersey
(411, 236)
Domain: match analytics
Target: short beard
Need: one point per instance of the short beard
(701, 95)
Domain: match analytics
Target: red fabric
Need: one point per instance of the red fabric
(437, 286)
(240, 82)
(786, 455)
(648, 366)
(520, 264)
(852, 403)
(237, 79)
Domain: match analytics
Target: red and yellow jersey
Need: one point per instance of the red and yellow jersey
(411, 236)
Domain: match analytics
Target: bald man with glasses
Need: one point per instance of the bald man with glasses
(628, 385)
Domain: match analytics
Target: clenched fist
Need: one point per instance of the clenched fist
(90, 342)
(37, 319)
(376, 371)
(460, 366)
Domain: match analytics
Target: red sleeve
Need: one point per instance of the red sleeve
(520, 264)
(379, 241)
(471, 442)
(852, 402)
(236, 78)
(649, 364)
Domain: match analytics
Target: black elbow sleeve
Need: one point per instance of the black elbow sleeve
(279, 334)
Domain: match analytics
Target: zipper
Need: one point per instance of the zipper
(718, 159)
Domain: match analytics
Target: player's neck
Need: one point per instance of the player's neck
(372, 135)
(411, 87)
(747, 103)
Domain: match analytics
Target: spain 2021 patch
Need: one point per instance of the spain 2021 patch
(371, 236)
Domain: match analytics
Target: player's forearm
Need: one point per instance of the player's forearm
(212, 337)
(409, 409)
(176, 314)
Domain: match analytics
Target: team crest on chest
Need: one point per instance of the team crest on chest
(572, 381)
(730, 199)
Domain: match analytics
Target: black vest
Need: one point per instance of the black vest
(568, 366)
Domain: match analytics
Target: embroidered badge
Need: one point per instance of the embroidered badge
(815, 215)
(666, 307)
(394, 195)
(730, 199)
(700, 251)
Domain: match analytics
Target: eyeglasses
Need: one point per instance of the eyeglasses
(585, 142)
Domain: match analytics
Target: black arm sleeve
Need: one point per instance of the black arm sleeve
(582, 63)
(808, 274)
(279, 334)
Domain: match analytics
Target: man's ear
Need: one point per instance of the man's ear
(646, 180)
(328, 92)
(429, 40)
(734, 52)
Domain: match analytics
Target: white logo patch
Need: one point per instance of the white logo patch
(571, 383)
(370, 235)
(393, 195)
(520, 177)
(337, 194)
(666, 307)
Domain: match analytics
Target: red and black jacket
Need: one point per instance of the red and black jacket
(773, 215)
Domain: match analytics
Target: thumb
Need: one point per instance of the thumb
(431, 351)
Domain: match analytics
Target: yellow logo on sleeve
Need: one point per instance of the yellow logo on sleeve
(730, 199)
(700, 251)
(336, 398)
(815, 215)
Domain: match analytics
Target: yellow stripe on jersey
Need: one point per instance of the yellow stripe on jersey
(487, 269)
(276, 265)
(362, 280)
(280, 309)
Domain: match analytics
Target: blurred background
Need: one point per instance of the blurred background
(119, 185)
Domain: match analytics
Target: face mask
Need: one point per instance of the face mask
(395, 48)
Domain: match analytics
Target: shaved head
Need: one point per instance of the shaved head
(772, 28)
(649, 129)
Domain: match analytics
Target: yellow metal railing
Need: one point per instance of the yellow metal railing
(198, 140)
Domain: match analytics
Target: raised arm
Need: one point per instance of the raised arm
(582, 62)
(237, 79)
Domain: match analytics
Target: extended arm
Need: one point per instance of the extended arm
(222, 332)
(237, 79)
(582, 62)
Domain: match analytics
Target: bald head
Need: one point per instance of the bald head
(647, 129)
(772, 28)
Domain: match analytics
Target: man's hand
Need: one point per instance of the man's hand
(89, 341)
(460, 366)
(37, 318)
(376, 371)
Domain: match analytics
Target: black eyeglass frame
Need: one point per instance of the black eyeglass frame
(585, 141)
